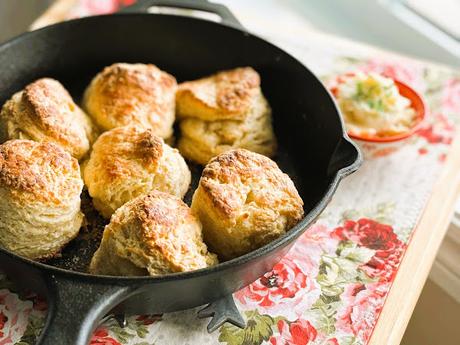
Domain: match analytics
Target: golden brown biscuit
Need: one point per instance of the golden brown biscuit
(152, 235)
(40, 188)
(224, 111)
(244, 201)
(226, 95)
(129, 161)
(132, 94)
(45, 112)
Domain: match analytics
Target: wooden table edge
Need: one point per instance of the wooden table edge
(420, 254)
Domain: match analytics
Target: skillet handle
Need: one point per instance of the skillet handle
(75, 306)
(346, 159)
(227, 17)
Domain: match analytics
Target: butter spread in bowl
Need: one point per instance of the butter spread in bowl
(373, 107)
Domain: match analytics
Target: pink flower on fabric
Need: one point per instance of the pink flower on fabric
(300, 332)
(3, 320)
(439, 131)
(287, 290)
(14, 314)
(362, 305)
(99, 6)
(351, 290)
(451, 97)
(368, 233)
(314, 243)
(384, 264)
(101, 337)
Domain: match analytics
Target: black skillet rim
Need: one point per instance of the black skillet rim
(279, 242)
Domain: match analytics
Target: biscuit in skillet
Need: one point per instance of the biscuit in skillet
(45, 112)
(132, 94)
(244, 201)
(130, 161)
(224, 111)
(40, 187)
(154, 234)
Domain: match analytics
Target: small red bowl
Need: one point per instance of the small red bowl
(416, 103)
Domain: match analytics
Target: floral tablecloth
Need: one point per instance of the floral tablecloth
(331, 287)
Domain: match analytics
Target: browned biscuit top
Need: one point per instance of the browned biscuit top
(239, 177)
(43, 170)
(224, 95)
(126, 91)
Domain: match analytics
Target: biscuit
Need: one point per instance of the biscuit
(130, 161)
(221, 112)
(45, 112)
(244, 201)
(138, 94)
(40, 187)
(153, 234)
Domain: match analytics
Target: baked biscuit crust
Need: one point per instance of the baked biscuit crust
(224, 111)
(226, 95)
(132, 94)
(40, 187)
(153, 234)
(130, 161)
(244, 201)
(44, 111)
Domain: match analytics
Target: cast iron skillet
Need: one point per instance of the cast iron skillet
(313, 149)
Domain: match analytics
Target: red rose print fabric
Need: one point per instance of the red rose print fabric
(101, 337)
(287, 290)
(450, 102)
(333, 279)
(300, 332)
(362, 307)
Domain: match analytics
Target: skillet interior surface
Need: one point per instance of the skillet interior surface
(306, 120)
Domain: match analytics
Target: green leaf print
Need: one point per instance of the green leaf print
(325, 311)
(381, 213)
(326, 324)
(142, 331)
(123, 335)
(231, 335)
(338, 271)
(135, 327)
(350, 340)
(357, 254)
(335, 273)
(34, 327)
(331, 294)
(350, 214)
(259, 328)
